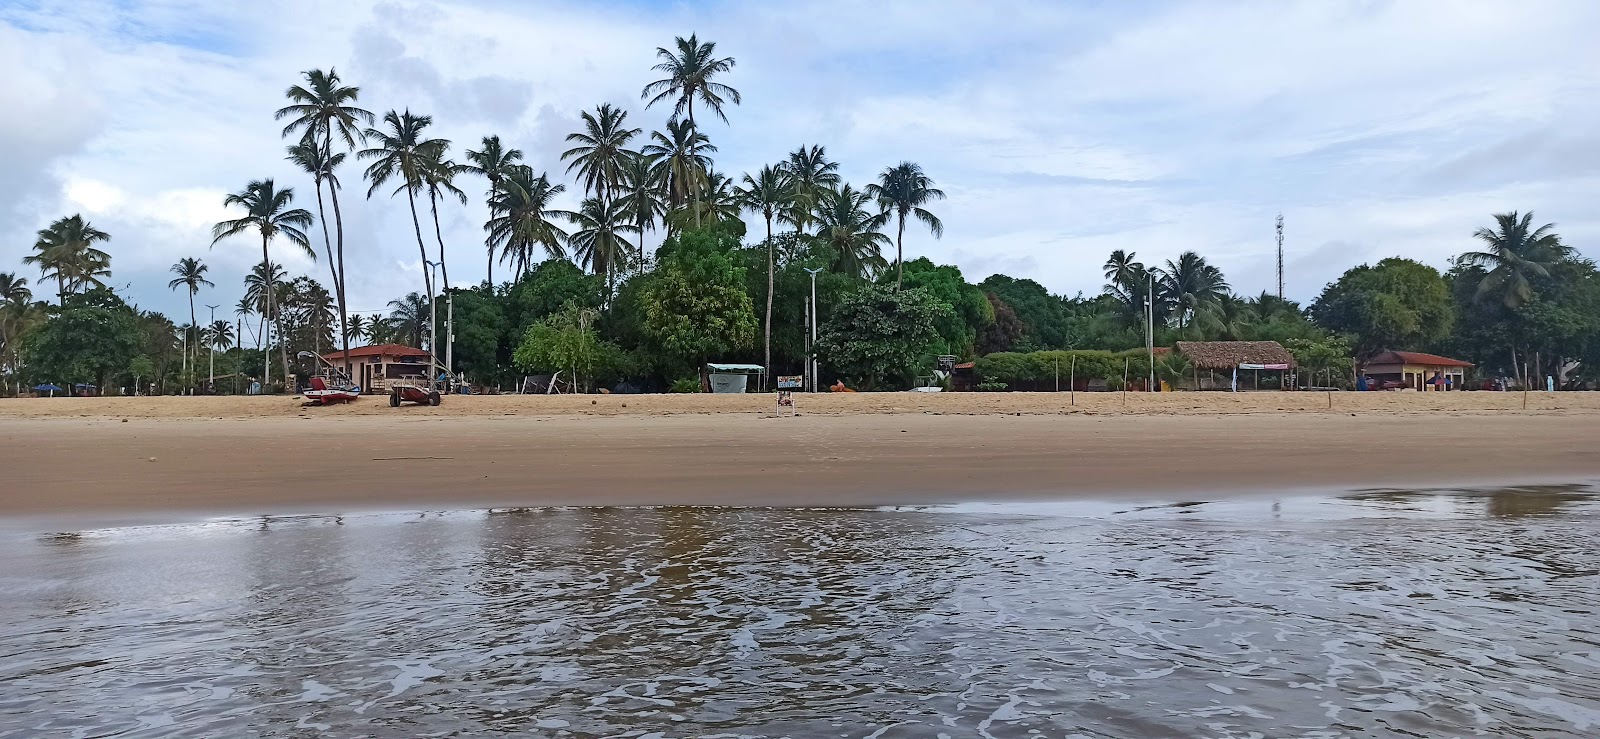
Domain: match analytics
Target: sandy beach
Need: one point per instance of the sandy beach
(167, 457)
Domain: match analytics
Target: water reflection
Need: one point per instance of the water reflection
(1388, 613)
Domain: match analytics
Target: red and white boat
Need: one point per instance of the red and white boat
(331, 385)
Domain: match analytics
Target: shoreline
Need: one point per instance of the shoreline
(100, 468)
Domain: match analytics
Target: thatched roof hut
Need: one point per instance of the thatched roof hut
(1220, 355)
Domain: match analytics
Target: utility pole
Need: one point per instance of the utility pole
(450, 334)
(812, 356)
(1150, 329)
(211, 380)
(433, 316)
(1280, 256)
(805, 338)
(238, 341)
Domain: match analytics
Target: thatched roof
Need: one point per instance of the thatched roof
(1230, 354)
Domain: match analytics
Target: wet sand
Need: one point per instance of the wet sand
(166, 458)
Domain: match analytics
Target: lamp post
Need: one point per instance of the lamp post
(1150, 328)
(211, 380)
(811, 357)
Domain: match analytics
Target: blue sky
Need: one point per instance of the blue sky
(1061, 131)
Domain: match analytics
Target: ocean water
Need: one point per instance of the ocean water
(1381, 614)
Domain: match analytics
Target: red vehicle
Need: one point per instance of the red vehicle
(413, 389)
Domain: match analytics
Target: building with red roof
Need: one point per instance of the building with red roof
(372, 367)
(1416, 370)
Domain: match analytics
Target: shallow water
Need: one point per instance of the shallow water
(1386, 614)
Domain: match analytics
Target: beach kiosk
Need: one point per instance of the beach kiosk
(1229, 357)
(723, 377)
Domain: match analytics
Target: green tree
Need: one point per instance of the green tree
(683, 156)
(1043, 316)
(483, 334)
(494, 162)
(641, 194)
(600, 242)
(1515, 254)
(1190, 287)
(267, 212)
(408, 318)
(1329, 357)
(92, 337)
(902, 190)
(695, 305)
(602, 151)
(876, 334)
(66, 251)
(438, 177)
(567, 342)
(690, 69)
(767, 192)
(403, 153)
(1395, 304)
(812, 174)
(549, 288)
(522, 220)
(852, 231)
(191, 274)
(970, 311)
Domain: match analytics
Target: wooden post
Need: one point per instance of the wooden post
(1525, 377)
(1124, 380)
(1072, 382)
(1058, 374)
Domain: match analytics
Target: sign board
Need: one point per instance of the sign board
(790, 382)
(947, 363)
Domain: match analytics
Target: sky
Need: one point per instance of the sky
(1060, 131)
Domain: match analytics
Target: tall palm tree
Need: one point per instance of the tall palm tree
(521, 219)
(17, 315)
(220, 335)
(682, 153)
(267, 212)
(689, 71)
(642, 183)
(408, 317)
(401, 154)
(1123, 270)
(812, 174)
(358, 325)
(602, 150)
(318, 161)
(438, 175)
(599, 243)
(244, 309)
(380, 330)
(1190, 286)
(767, 192)
(191, 274)
(1514, 252)
(494, 162)
(325, 105)
(845, 223)
(14, 289)
(904, 189)
(66, 251)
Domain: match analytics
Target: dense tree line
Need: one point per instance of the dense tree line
(740, 257)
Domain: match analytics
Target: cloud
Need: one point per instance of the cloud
(1060, 131)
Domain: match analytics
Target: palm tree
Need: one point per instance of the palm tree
(642, 183)
(768, 192)
(358, 325)
(438, 175)
(1190, 286)
(845, 224)
(319, 162)
(267, 211)
(324, 105)
(1123, 271)
(380, 330)
(493, 162)
(401, 153)
(14, 289)
(689, 74)
(598, 242)
(521, 219)
(220, 335)
(17, 315)
(409, 317)
(191, 274)
(904, 189)
(682, 155)
(245, 308)
(602, 150)
(812, 174)
(1514, 253)
(65, 250)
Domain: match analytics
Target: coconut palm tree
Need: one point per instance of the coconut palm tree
(408, 317)
(903, 189)
(438, 175)
(494, 162)
(1189, 286)
(767, 192)
(602, 150)
(380, 330)
(318, 161)
(521, 219)
(1514, 253)
(401, 153)
(66, 251)
(219, 335)
(324, 105)
(811, 174)
(267, 212)
(642, 183)
(599, 243)
(845, 223)
(1123, 270)
(191, 274)
(682, 154)
(17, 315)
(690, 69)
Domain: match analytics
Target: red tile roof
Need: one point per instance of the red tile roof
(386, 350)
(1416, 358)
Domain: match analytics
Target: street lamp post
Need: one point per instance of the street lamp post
(1150, 328)
(811, 357)
(211, 380)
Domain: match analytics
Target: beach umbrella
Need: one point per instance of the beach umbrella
(52, 389)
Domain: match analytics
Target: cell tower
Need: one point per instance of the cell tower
(1280, 256)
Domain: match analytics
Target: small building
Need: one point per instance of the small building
(372, 367)
(1414, 370)
(1231, 357)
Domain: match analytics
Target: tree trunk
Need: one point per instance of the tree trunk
(416, 225)
(900, 254)
(194, 339)
(768, 342)
(266, 335)
(344, 307)
(433, 202)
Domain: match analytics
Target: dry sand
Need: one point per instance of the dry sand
(127, 459)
